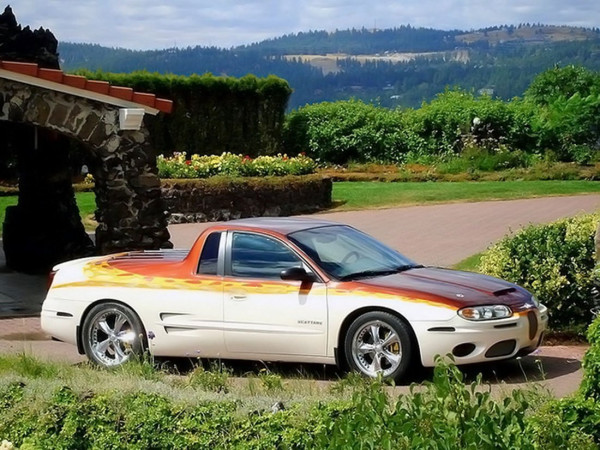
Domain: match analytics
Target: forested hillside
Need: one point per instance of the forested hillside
(396, 67)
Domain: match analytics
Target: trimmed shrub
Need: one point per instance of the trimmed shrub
(590, 386)
(346, 131)
(582, 410)
(457, 119)
(555, 262)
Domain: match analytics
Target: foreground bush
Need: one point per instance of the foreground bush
(178, 166)
(444, 414)
(590, 386)
(556, 262)
(582, 410)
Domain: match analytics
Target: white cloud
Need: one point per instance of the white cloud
(148, 24)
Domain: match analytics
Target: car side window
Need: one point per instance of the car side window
(255, 256)
(210, 255)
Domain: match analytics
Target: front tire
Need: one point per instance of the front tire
(378, 343)
(112, 334)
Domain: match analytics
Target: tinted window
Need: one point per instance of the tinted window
(254, 256)
(210, 255)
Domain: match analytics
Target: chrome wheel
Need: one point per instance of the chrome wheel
(378, 343)
(376, 349)
(112, 333)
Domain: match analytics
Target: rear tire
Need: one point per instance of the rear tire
(112, 334)
(378, 343)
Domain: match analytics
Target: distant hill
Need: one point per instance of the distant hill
(395, 67)
(538, 34)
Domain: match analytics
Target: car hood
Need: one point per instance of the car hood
(452, 287)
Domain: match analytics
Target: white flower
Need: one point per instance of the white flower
(6, 445)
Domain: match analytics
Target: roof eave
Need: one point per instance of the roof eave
(84, 93)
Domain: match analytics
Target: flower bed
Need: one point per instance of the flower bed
(178, 166)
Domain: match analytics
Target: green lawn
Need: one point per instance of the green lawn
(361, 195)
(470, 263)
(4, 202)
(85, 201)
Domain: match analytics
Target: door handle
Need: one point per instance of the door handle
(238, 297)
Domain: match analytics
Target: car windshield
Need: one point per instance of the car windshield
(345, 253)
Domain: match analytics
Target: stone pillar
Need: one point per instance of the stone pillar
(131, 214)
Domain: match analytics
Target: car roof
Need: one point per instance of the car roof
(282, 225)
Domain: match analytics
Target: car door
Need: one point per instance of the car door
(192, 317)
(263, 314)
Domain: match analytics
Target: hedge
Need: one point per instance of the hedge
(212, 114)
(556, 262)
(224, 198)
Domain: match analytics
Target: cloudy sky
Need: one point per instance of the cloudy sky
(152, 24)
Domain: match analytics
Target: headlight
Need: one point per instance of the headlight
(490, 312)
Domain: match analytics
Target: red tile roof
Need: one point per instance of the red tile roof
(100, 87)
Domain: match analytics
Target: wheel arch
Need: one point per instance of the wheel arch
(340, 358)
(79, 332)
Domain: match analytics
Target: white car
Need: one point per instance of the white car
(288, 289)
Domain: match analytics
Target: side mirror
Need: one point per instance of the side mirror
(297, 274)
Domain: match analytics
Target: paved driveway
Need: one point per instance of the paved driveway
(442, 234)
(436, 235)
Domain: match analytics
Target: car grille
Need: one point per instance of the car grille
(533, 324)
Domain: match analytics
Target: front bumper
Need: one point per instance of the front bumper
(472, 342)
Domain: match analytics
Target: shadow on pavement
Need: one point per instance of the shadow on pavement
(20, 294)
(526, 369)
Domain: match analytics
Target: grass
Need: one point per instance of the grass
(256, 389)
(86, 202)
(469, 264)
(4, 202)
(366, 195)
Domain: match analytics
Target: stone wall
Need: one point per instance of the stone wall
(219, 198)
